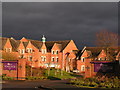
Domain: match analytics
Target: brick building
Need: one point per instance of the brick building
(92, 61)
(57, 54)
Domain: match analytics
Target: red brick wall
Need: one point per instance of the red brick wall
(20, 72)
(36, 54)
(71, 46)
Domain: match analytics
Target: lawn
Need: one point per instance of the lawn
(58, 74)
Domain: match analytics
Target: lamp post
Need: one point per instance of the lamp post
(31, 66)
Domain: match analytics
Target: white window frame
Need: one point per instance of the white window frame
(44, 51)
(43, 58)
(82, 67)
(82, 59)
(29, 58)
(69, 59)
(20, 51)
(57, 51)
(99, 58)
(23, 51)
(28, 50)
(7, 50)
(53, 51)
(52, 59)
(31, 50)
(57, 59)
(10, 50)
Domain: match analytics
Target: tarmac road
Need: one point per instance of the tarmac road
(40, 85)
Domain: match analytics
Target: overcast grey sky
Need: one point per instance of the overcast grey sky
(59, 20)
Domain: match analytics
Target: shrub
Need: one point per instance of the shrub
(94, 82)
(35, 78)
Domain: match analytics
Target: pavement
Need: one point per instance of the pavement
(39, 85)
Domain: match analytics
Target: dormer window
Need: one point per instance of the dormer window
(53, 52)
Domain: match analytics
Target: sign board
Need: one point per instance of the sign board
(8, 65)
(97, 67)
(103, 67)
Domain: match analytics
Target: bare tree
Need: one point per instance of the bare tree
(67, 62)
(106, 39)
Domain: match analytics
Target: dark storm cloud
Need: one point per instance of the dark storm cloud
(59, 21)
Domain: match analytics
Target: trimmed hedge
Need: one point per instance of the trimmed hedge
(96, 83)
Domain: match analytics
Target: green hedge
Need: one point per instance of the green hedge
(95, 83)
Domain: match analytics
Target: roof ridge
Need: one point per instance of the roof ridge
(59, 41)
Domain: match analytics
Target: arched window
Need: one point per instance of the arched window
(19, 50)
(23, 51)
(43, 58)
(56, 59)
(44, 51)
(52, 59)
(99, 58)
(56, 51)
(53, 52)
(82, 59)
(30, 58)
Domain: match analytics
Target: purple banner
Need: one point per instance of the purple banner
(97, 67)
(103, 68)
(10, 65)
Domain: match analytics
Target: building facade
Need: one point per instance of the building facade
(57, 54)
(93, 61)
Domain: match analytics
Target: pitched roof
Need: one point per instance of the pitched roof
(95, 51)
(2, 42)
(15, 44)
(49, 44)
(25, 44)
(36, 43)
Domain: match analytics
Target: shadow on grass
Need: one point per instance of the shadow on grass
(76, 75)
(53, 78)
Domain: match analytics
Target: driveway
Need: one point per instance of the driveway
(39, 85)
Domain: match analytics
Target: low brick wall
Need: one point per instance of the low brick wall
(18, 72)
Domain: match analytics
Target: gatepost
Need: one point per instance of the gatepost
(14, 68)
